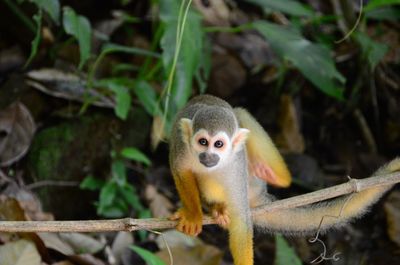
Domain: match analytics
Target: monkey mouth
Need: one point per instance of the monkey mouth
(209, 163)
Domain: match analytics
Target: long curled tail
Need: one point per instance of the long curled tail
(335, 213)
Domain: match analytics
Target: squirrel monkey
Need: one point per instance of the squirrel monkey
(222, 155)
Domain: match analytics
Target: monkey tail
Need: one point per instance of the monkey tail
(323, 216)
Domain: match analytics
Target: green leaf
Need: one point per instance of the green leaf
(384, 13)
(145, 213)
(371, 50)
(135, 154)
(79, 27)
(313, 61)
(129, 194)
(204, 69)
(52, 7)
(284, 253)
(123, 101)
(374, 4)
(107, 194)
(112, 47)
(122, 96)
(147, 256)
(117, 209)
(290, 7)
(147, 96)
(36, 41)
(190, 50)
(92, 183)
(118, 170)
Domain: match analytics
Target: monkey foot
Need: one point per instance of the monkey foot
(187, 223)
(220, 215)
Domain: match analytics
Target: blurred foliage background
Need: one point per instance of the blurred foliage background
(89, 89)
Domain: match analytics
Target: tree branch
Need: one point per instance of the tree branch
(130, 224)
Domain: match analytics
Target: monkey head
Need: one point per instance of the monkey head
(213, 136)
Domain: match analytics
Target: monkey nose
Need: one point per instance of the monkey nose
(208, 160)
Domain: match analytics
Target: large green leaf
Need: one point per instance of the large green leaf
(149, 257)
(312, 60)
(50, 6)
(190, 50)
(290, 7)
(284, 254)
(79, 27)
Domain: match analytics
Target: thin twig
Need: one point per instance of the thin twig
(130, 224)
(44, 183)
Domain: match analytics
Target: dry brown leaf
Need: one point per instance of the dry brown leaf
(215, 13)
(160, 205)
(157, 131)
(71, 243)
(82, 243)
(53, 241)
(16, 131)
(11, 210)
(290, 138)
(86, 259)
(20, 252)
(66, 85)
(120, 244)
(392, 210)
(198, 255)
(187, 250)
(64, 262)
(28, 201)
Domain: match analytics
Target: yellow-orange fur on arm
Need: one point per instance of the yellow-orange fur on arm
(264, 158)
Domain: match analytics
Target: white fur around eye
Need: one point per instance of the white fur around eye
(196, 138)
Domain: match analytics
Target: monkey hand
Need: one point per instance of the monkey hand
(188, 222)
(220, 215)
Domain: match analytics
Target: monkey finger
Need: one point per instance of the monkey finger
(227, 220)
(175, 216)
(181, 227)
(196, 230)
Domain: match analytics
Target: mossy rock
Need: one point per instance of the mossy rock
(76, 148)
(70, 151)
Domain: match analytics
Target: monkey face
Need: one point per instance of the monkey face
(211, 150)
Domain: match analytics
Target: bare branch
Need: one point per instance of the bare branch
(130, 224)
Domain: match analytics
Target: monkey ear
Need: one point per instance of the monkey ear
(239, 138)
(186, 129)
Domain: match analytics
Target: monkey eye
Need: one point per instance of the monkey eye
(203, 141)
(218, 144)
